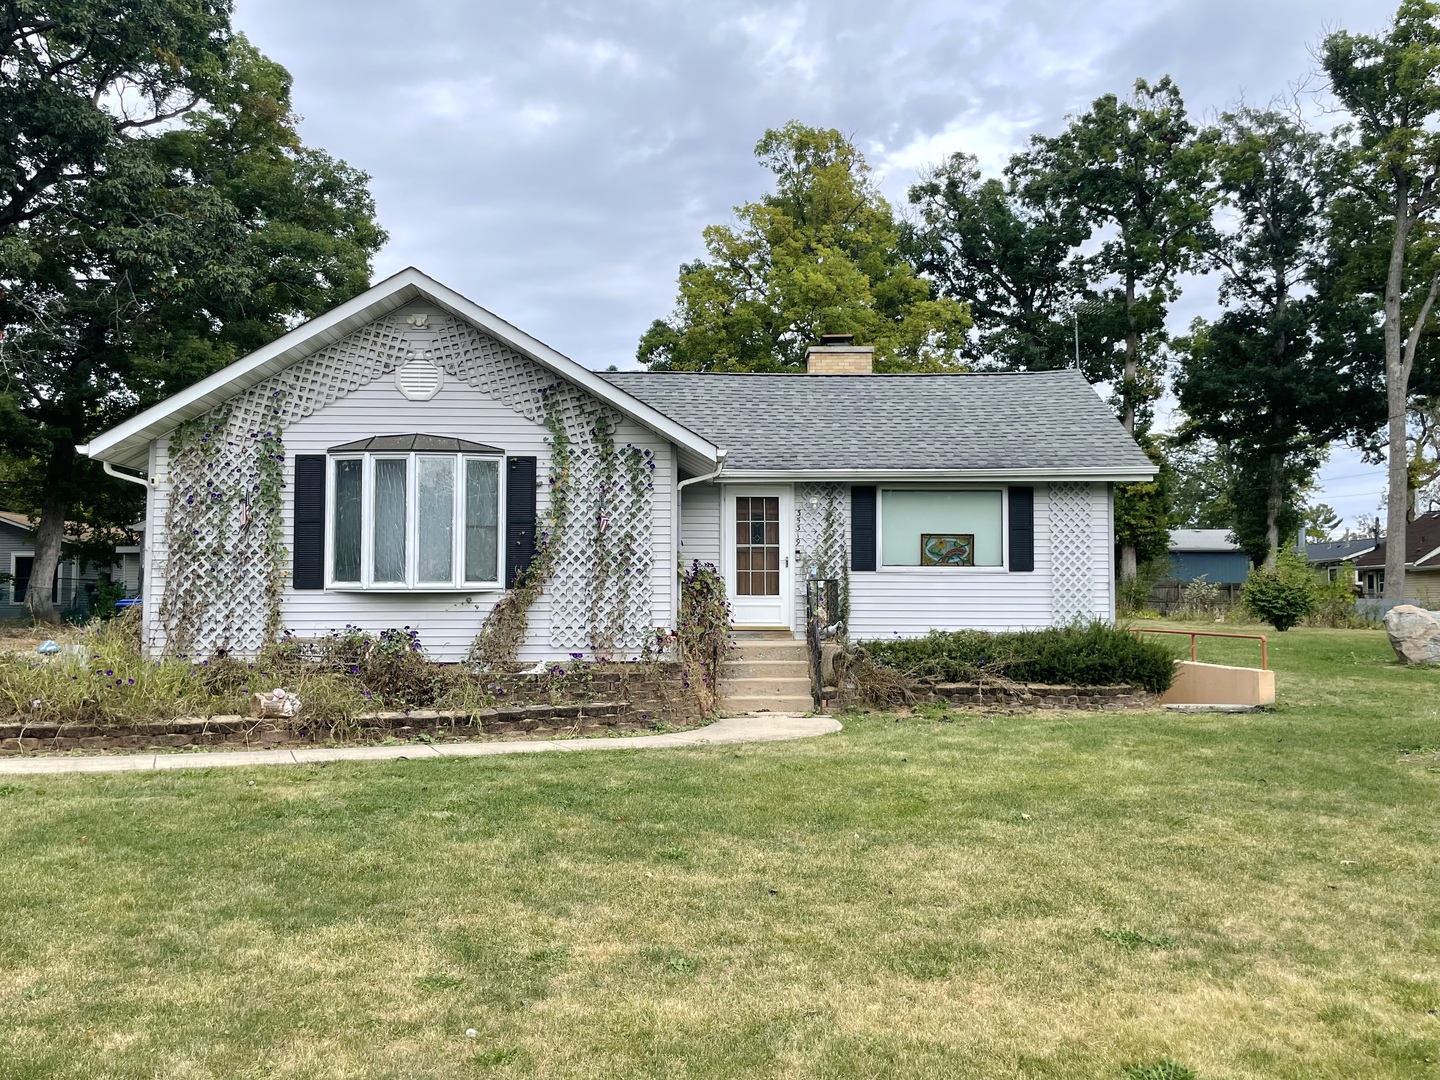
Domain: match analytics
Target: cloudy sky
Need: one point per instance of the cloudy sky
(556, 162)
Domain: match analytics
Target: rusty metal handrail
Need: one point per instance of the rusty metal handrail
(1193, 634)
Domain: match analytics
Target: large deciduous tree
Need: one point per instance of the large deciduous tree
(1137, 175)
(818, 255)
(159, 217)
(1390, 86)
(1252, 380)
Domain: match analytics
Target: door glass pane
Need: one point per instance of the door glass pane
(389, 538)
(482, 520)
(435, 545)
(757, 546)
(345, 559)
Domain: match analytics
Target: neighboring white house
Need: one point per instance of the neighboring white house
(388, 464)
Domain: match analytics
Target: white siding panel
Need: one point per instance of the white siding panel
(700, 524)
(155, 547)
(912, 601)
(1103, 528)
(447, 621)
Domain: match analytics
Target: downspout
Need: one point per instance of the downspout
(680, 506)
(719, 468)
(110, 471)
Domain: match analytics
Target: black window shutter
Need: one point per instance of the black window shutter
(1022, 529)
(862, 528)
(519, 516)
(309, 539)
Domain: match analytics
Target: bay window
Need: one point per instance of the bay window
(414, 512)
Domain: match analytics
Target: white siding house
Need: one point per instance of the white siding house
(388, 464)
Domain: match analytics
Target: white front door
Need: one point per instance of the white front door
(759, 541)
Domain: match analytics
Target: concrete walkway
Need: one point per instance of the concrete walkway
(740, 729)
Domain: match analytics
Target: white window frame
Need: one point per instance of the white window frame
(1002, 567)
(58, 586)
(457, 582)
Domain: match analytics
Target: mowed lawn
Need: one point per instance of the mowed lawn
(1044, 895)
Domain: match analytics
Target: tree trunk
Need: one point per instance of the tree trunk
(1129, 560)
(1396, 398)
(50, 533)
(1274, 504)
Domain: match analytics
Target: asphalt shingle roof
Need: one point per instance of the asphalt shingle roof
(1337, 550)
(1009, 420)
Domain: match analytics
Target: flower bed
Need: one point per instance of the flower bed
(422, 725)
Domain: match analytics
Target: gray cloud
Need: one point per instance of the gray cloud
(557, 161)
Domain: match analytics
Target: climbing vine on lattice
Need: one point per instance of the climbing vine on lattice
(604, 522)
(503, 631)
(225, 533)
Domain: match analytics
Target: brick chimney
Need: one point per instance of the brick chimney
(837, 354)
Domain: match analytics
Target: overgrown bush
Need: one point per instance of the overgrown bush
(103, 679)
(703, 633)
(1199, 598)
(1132, 596)
(1094, 655)
(1335, 605)
(1283, 594)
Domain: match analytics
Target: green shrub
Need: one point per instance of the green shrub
(1094, 655)
(1284, 594)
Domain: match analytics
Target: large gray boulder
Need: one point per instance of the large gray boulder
(1414, 634)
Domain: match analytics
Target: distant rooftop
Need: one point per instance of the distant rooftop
(1202, 540)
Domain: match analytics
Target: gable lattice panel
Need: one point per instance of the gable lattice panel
(1072, 554)
(224, 597)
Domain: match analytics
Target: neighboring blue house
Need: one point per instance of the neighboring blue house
(1207, 552)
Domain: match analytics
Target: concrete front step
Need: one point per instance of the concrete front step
(747, 668)
(790, 706)
(770, 650)
(777, 687)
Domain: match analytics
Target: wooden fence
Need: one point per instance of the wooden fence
(1167, 596)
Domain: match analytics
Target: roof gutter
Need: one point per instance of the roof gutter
(719, 468)
(1119, 475)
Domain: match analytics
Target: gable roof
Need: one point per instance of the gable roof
(128, 443)
(1045, 424)
(1202, 540)
(1422, 544)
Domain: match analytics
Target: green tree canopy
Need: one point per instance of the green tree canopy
(818, 255)
(1390, 86)
(1015, 264)
(159, 217)
(1252, 380)
(1135, 173)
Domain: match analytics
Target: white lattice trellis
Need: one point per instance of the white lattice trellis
(222, 599)
(822, 529)
(1072, 554)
